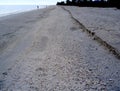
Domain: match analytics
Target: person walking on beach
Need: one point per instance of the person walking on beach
(37, 7)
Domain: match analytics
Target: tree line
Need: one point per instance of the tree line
(91, 3)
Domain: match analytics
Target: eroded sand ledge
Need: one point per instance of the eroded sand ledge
(101, 23)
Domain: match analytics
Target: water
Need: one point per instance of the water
(11, 9)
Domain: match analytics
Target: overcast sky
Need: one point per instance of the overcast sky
(29, 2)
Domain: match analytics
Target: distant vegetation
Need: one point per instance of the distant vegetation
(92, 3)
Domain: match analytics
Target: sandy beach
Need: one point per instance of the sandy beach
(47, 50)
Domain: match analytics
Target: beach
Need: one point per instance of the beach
(48, 50)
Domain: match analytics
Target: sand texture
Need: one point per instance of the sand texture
(47, 50)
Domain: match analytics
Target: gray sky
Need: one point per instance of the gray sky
(29, 2)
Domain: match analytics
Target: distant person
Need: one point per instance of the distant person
(37, 7)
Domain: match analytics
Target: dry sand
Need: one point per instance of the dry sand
(103, 22)
(46, 50)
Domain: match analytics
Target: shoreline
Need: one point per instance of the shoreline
(21, 11)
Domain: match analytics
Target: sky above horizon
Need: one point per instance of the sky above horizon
(29, 2)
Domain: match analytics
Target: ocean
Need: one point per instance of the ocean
(12, 9)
